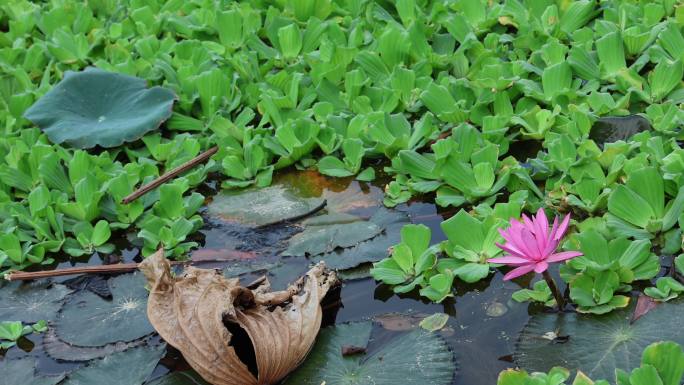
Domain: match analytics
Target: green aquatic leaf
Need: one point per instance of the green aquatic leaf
(180, 378)
(123, 318)
(23, 371)
(96, 107)
(132, 366)
(31, 302)
(597, 344)
(263, 206)
(430, 361)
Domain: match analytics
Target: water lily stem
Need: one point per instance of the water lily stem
(170, 175)
(554, 289)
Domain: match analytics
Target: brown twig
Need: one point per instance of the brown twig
(100, 269)
(170, 175)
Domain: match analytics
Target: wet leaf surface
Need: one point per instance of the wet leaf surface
(263, 207)
(31, 302)
(416, 357)
(88, 320)
(597, 344)
(23, 371)
(130, 367)
(60, 350)
(180, 378)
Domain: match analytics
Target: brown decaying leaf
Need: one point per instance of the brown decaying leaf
(189, 313)
(643, 306)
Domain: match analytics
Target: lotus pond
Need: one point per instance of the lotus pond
(341, 192)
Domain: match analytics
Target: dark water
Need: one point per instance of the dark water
(484, 321)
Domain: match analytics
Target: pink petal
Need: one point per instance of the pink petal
(562, 229)
(541, 267)
(518, 271)
(565, 255)
(509, 260)
(531, 245)
(542, 229)
(512, 250)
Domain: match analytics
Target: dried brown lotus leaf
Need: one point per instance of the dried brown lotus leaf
(189, 312)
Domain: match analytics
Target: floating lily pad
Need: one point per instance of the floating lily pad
(131, 367)
(326, 233)
(96, 107)
(180, 378)
(417, 357)
(60, 350)
(89, 320)
(31, 302)
(613, 128)
(23, 371)
(371, 250)
(263, 206)
(596, 344)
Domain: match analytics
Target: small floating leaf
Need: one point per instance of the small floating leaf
(89, 320)
(31, 303)
(131, 367)
(597, 344)
(434, 322)
(262, 207)
(96, 107)
(413, 358)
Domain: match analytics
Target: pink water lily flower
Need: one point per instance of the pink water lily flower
(531, 245)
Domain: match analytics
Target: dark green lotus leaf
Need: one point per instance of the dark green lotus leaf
(131, 367)
(597, 345)
(96, 107)
(263, 206)
(23, 371)
(60, 350)
(610, 129)
(180, 378)
(417, 357)
(86, 319)
(326, 233)
(31, 302)
(279, 274)
(371, 249)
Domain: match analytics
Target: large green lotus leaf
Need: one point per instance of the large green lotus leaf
(96, 107)
(23, 371)
(417, 357)
(131, 367)
(371, 250)
(326, 233)
(180, 378)
(264, 206)
(60, 350)
(597, 345)
(86, 319)
(344, 241)
(32, 302)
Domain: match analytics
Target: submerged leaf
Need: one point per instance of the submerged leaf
(263, 207)
(417, 357)
(597, 344)
(189, 312)
(89, 320)
(96, 107)
(180, 378)
(60, 350)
